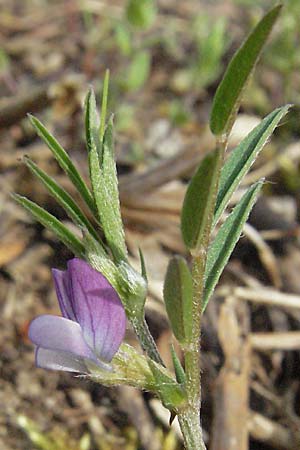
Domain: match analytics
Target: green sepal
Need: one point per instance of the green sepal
(179, 371)
(178, 298)
(104, 180)
(65, 163)
(228, 95)
(243, 156)
(53, 224)
(129, 368)
(171, 394)
(226, 239)
(62, 197)
(198, 206)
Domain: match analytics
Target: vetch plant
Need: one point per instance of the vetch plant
(100, 286)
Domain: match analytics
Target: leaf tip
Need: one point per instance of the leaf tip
(32, 119)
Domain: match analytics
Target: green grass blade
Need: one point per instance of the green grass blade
(228, 96)
(62, 197)
(53, 224)
(226, 239)
(65, 163)
(243, 156)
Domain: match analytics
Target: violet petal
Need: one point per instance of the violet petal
(58, 333)
(62, 287)
(98, 309)
(58, 360)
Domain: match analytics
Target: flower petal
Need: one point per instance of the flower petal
(58, 360)
(98, 309)
(62, 287)
(58, 333)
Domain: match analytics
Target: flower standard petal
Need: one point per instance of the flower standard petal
(98, 309)
(59, 334)
(62, 287)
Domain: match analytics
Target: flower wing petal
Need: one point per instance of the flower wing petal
(98, 309)
(58, 360)
(60, 334)
(62, 287)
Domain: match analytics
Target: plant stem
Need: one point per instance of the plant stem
(189, 421)
(146, 339)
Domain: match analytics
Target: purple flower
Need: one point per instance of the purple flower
(93, 323)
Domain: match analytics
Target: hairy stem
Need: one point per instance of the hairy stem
(190, 418)
(189, 422)
(192, 354)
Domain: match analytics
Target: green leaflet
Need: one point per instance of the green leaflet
(178, 298)
(53, 224)
(226, 239)
(62, 197)
(91, 122)
(104, 105)
(104, 180)
(243, 156)
(65, 163)
(198, 205)
(228, 96)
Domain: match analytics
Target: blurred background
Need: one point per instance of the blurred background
(165, 58)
